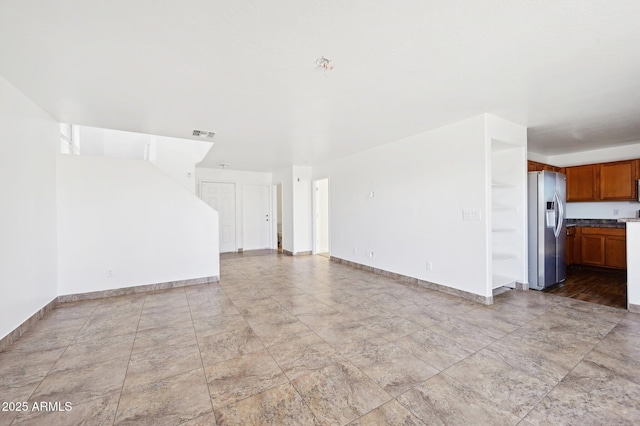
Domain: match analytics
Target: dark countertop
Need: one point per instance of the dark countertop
(596, 223)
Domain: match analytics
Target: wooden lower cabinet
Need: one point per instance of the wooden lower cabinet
(592, 250)
(615, 251)
(605, 247)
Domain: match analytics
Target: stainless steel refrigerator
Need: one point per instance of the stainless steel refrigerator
(547, 194)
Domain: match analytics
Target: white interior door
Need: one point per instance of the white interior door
(222, 197)
(256, 217)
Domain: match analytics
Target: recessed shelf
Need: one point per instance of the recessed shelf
(503, 185)
(504, 230)
(503, 256)
(501, 281)
(503, 207)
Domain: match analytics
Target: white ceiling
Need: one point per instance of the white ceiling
(567, 69)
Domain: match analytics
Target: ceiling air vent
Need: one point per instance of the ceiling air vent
(203, 134)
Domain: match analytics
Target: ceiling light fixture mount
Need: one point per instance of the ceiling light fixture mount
(223, 165)
(324, 63)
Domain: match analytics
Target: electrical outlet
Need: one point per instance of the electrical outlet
(471, 215)
(109, 273)
(616, 212)
(371, 254)
(429, 266)
(355, 250)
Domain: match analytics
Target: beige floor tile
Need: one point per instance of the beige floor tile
(160, 363)
(104, 326)
(280, 405)
(99, 411)
(82, 353)
(589, 395)
(208, 419)
(167, 335)
(391, 327)
(348, 340)
(467, 335)
(278, 328)
(163, 318)
(433, 348)
(443, 401)
(208, 307)
(239, 378)
(302, 354)
(210, 326)
(548, 366)
(170, 401)
(45, 341)
(19, 369)
(340, 393)
(351, 338)
(511, 389)
(79, 385)
(393, 369)
(229, 344)
(391, 413)
(422, 315)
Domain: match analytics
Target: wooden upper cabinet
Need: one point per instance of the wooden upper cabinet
(582, 183)
(618, 181)
(534, 166)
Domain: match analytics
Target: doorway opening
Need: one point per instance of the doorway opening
(279, 216)
(321, 226)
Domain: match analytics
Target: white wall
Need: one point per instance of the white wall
(633, 266)
(240, 178)
(421, 184)
(175, 157)
(178, 158)
(112, 143)
(603, 210)
(29, 139)
(128, 217)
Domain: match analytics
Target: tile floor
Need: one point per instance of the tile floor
(302, 341)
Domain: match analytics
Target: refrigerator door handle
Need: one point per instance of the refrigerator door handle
(560, 215)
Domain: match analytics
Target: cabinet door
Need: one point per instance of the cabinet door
(592, 250)
(618, 181)
(615, 252)
(581, 183)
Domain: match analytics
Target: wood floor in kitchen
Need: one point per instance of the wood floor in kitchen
(597, 285)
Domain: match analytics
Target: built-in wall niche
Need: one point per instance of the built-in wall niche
(508, 199)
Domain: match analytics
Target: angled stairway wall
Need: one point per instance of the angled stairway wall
(124, 223)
